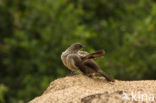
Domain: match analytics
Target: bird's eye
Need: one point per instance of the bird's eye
(78, 46)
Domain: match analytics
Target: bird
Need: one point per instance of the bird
(77, 60)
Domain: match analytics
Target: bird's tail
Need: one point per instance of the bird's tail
(108, 78)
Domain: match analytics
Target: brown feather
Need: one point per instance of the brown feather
(93, 55)
(91, 65)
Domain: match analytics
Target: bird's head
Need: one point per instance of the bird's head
(75, 47)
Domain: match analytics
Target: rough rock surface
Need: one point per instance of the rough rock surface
(82, 89)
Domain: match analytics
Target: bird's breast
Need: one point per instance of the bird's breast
(68, 63)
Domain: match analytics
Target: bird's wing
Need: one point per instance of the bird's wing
(85, 55)
(73, 61)
(92, 65)
(82, 53)
(94, 68)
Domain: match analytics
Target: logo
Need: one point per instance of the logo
(138, 96)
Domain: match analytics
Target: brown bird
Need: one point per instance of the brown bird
(76, 60)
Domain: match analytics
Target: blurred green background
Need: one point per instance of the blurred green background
(34, 33)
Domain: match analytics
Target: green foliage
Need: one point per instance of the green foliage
(3, 91)
(33, 35)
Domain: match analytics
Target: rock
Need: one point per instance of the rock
(82, 89)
